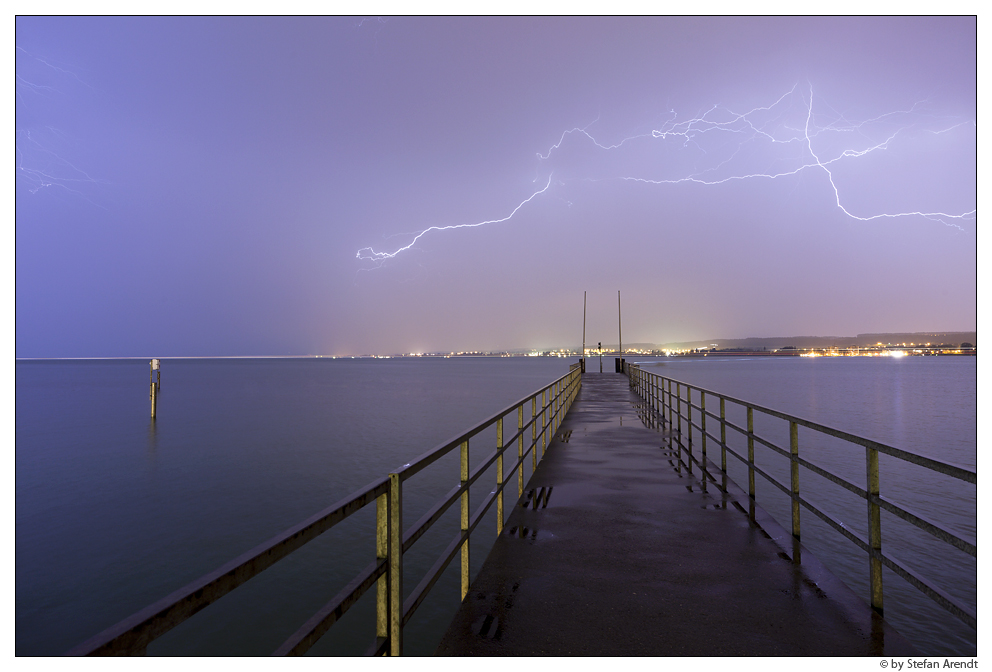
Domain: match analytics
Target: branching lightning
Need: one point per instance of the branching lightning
(718, 146)
(39, 147)
(42, 178)
(691, 129)
(369, 254)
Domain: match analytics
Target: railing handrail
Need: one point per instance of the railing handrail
(948, 468)
(426, 459)
(133, 634)
(654, 392)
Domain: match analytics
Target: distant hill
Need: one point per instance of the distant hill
(861, 340)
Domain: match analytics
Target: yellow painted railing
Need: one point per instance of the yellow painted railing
(671, 401)
(536, 424)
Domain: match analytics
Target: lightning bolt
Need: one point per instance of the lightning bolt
(847, 153)
(691, 130)
(715, 144)
(39, 165)
(367, 253)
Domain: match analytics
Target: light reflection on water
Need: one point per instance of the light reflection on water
(115, 511)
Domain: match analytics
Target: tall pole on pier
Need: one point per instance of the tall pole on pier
(619, 323)
(583, 360)
(620, 331)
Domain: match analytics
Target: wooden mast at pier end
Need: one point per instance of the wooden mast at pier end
(582, 359)
(620, 333)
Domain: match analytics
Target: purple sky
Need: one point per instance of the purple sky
(219, 186)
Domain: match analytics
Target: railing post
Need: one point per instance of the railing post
(466, 578)
(552, 400)
(382, 553)
(395, 565)
(659, 394)
(702, 422)
(552, 409)
(671, 420)
(678, 418)
(794, 474)
(723, 436)
(544, 422)
(750, 459)
(654, 398)
(688, 421)
(533, 430)
(499, 476)
(661, 399)
(874, 532)
(520, 450)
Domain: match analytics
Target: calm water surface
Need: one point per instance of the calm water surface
(113, 511)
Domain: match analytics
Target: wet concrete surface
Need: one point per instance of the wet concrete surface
(614, 551)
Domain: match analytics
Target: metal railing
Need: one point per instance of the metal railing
(672, 406)
(534, 430)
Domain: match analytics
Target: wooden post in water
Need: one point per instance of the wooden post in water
(154, 382)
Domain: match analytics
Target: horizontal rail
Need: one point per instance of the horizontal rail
(938, 596)
(434, 513)
(308, 634)
(132, 635)
(677, 403)
(806, 464)
(947, 468)
(903, 513)
(433, 574)
(431, 456)
(924, 524)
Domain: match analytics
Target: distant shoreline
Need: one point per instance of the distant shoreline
(945, 341)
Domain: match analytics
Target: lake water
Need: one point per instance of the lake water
(114, 511)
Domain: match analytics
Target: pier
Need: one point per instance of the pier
(627, 537)
(616, 549)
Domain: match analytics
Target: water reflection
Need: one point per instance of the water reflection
(152, 446)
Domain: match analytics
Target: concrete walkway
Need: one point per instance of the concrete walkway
(623, 555)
